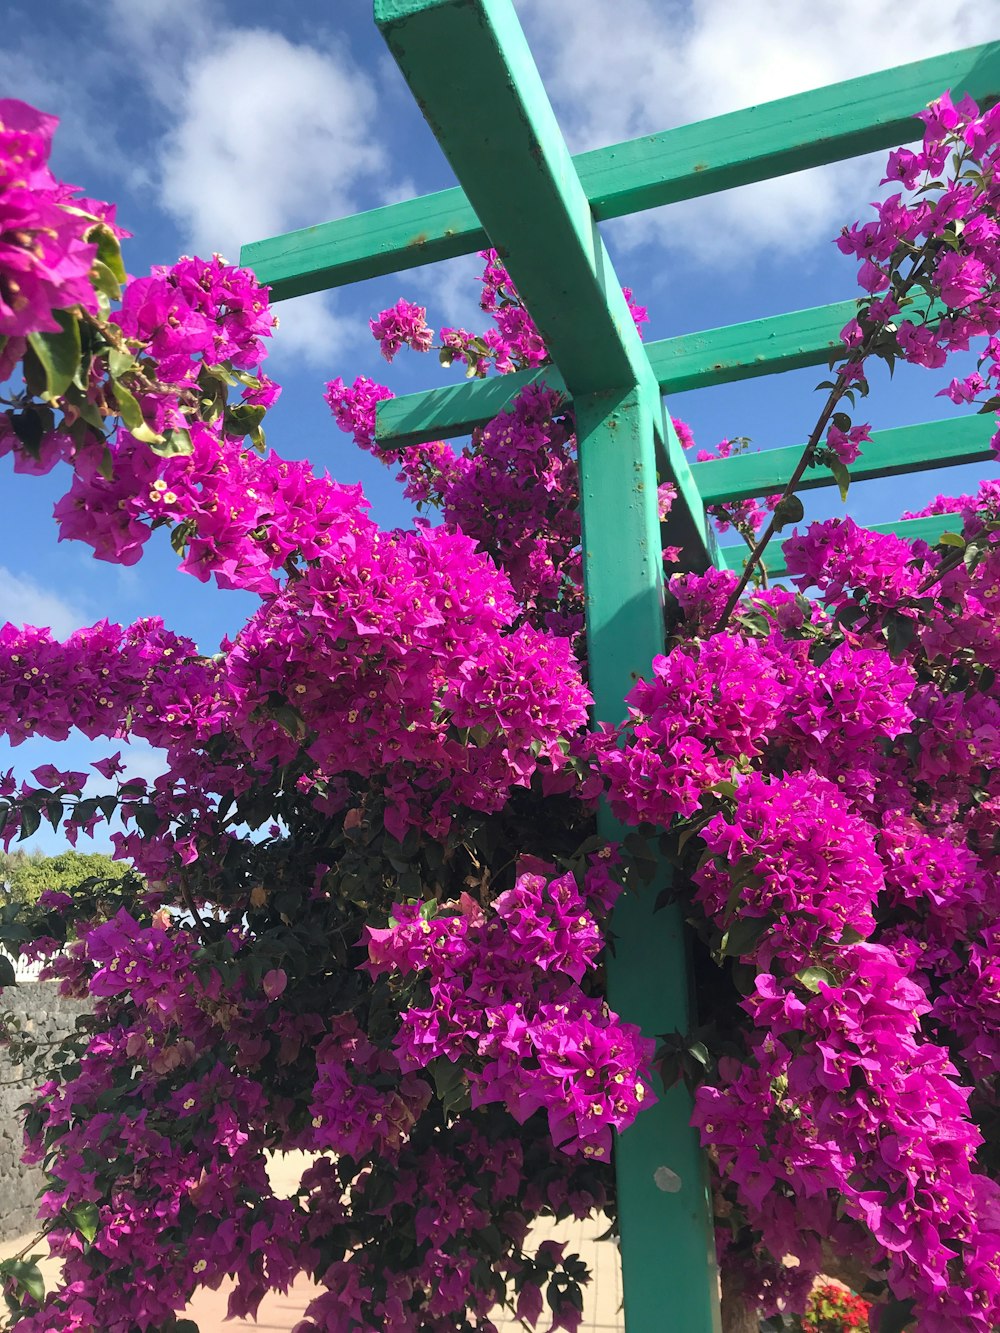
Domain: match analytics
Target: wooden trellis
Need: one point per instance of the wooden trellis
(523, 193)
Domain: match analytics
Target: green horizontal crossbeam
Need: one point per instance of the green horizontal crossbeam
(891, 453)
(910, 529)
(810, 129)
(521, 181)
(690, 361)
(551, 246)
(755, 347)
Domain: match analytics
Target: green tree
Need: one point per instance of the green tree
(25, 875)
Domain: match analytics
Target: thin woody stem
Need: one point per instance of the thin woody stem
(841, 387)
(833, 398)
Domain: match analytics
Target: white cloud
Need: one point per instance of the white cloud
(247, 159)
(25, 602)
(311, 330)
(671, 63)
(270, 136)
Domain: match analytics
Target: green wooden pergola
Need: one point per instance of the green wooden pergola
(523, 193)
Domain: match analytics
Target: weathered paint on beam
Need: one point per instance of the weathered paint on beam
(690, 361)
(809, 129)
(891, 453)
(454, 409)
(910, 529)
(756, 347)
(399, 236)
(518, 175)
(668, 1258)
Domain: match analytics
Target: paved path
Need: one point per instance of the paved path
(279, 1314)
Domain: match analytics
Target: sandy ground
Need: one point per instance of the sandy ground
(278, 1314)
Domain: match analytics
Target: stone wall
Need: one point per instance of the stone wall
(43, 1011)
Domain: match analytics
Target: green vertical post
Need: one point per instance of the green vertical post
(667, 1239)
(517, 173)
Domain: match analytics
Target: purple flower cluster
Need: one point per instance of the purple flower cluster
(402, 325)
(46, 249)
(503, 1003)
(403, 714)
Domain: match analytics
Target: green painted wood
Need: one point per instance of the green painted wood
(891, 453)
(810, 129)
(668, 1253)
(910, 529)
(755, 347)
(826, 125)
(366, 245)
(690, 361)
(519, 177)
(454, 409)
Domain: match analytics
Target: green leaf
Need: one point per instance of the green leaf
(490, 1239)
(147, 820)
(186, 1326)
(450, 1085)
(182, 534)
(244, 419)
(895, 1317)
(172, 443)
(952, 539)
(7, 977)
(27, 1276)
(788, 510)
(105, 281)
(85, 1218)
(899, 634)
(290, 720)
(59, 353)
(812, 977)
(850, 613)
(131, 415)
(745, 978)
(851, 936)
(841, 476)
(841, 420)
(699, 1051)
(119, 361)
(744, 934)
(109, 252)
(31, 817)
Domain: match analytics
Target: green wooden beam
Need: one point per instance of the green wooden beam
(810, 129)
(755, 347)
(454, 409)
(891, 453)
(519, 177)
(667, 1240)
(690, 361)
(910, 529)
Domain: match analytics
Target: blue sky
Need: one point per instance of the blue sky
(212, 124)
